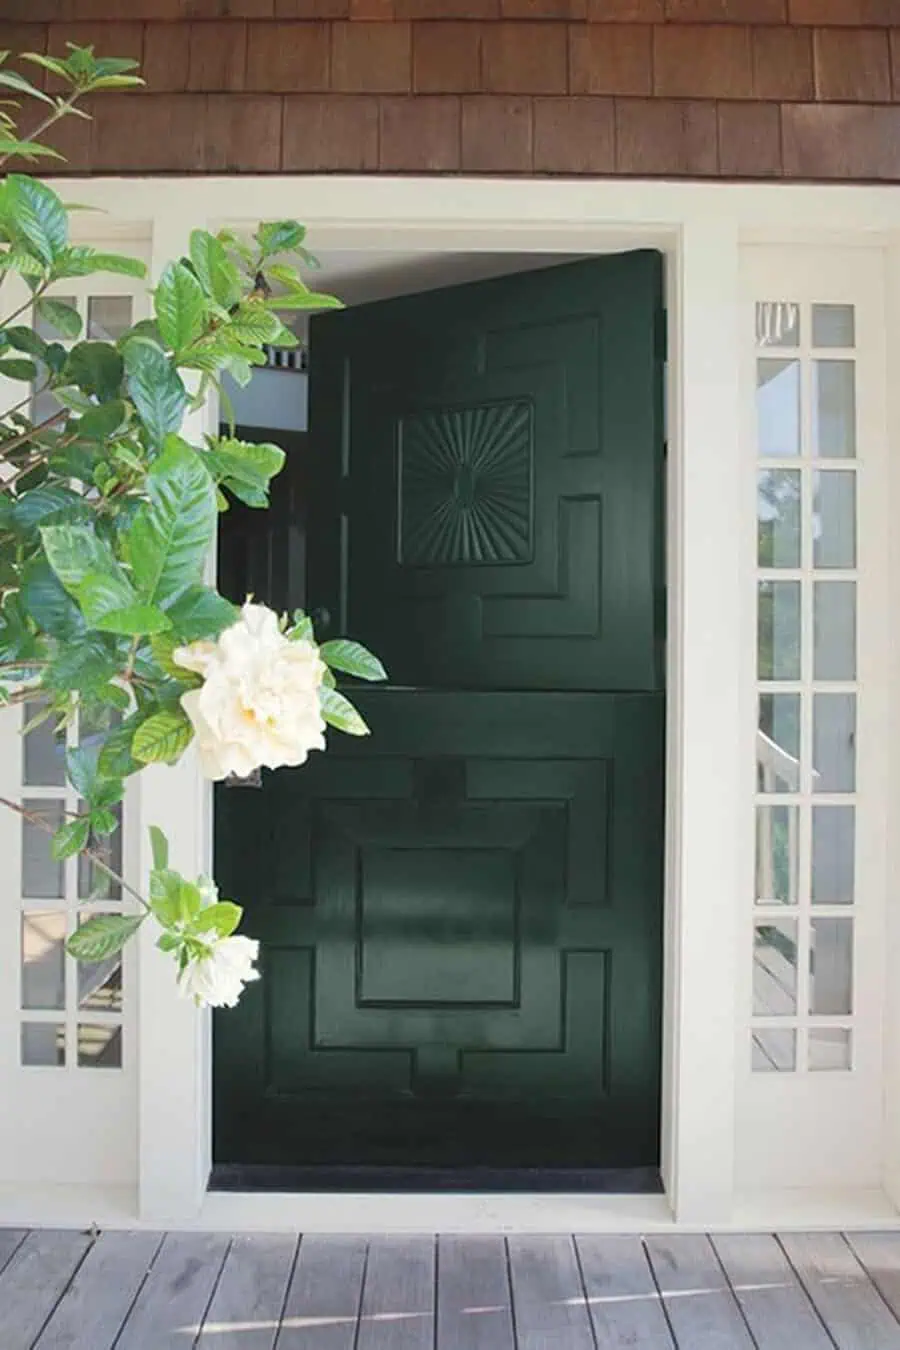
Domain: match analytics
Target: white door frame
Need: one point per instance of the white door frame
(700, 228)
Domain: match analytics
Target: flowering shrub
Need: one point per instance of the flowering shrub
(107, 520)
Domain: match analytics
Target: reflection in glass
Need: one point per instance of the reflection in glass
(834, 630)
(830, 1049)
(99, 1046)
(778, 630)
(834, 743)
(833, 326)
(833, 855)
(834, 409)
(43, 752)
(777, 323)
(100, 982)
(834, 519)
(831, 967)
(778, 518)
(777, 854)
(43, 1043)
(774, 1050)
(109, 316)
(42, 876)
(44, 327)
(778, 743)
(43, 960)
(778, 408)
(93, 882)
(775, 969)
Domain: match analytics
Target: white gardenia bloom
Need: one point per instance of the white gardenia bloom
(259, 701)
(217, 980)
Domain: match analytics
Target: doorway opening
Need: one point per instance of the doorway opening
(460, 919)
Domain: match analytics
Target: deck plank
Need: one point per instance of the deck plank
(548, 1296)
(702, 1309)
(33, 1282)
(880, 1256)
(624, 1303)
(323, 1301)
(474, 1310)
(774, 1302)
(246, 1308)
(11, 1240)
(93, 1309)
(846, 1298)
(176, 1293)
(398, 1297)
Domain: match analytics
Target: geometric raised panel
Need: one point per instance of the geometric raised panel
(465, 485)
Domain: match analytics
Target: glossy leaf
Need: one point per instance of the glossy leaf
(15, 368)
(70, 838)
(97, 368)
(133, 620)
(222, 918)
(340, 713)
(103, 935)
(64, 318)
(163, 737)
(159, 846)
(353, 659)
(172, 532)
(180, 305)
(155, 388)
(201, 613)
(34, 213)
(47, 601)
(217, 273)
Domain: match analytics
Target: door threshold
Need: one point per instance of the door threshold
(263, 1177)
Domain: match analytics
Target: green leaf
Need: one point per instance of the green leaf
(81, 768)
(306, 300)
(163, 737)
(254, 463)
(340, 713)
(39, 505)
(97, 368)
(14, 369)
(102, 936)
(25, 339)
(80, 260)
(11, 80)
(103, 595)
(155, 388)
(17, 260)
(181, 307)
(201, 613)
(353, 659)
(10, 145)
(222, 918)
(64, 318)
(217, 273)
(173, 900)
(34, 213)
(172, 533)
(103, 821)
(253, 323)
(159, 846)
(116, 759)
(84, 666)
(89, 570)
(51, 63)
(70, 838)
(280, 236)
(48, 603)
(104, 422)
(133, 621)
(302, 627)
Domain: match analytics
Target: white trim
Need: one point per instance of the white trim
(701, 228)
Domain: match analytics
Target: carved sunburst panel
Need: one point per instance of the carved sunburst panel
(465, 486)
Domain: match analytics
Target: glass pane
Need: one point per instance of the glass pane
(778, 630)
(833, 855)
(100, 982)
(831, 967)
(778, 408)
(44, 406)
(43, 752)
(778, 743)
(99, 1047)
(778, 518)
(93, 882)
(834, 409)
(833, 326)
(777, 323)
(44, 328)
(834, 630)
(777, 854)
(109, 316)
(834, 519)
(774, 1050)
(43, 1043)
(834, 743)
(43, 960)
(830, 1049)
(775, 969)
(42, 878)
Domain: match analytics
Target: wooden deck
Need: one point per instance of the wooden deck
(146, 1291)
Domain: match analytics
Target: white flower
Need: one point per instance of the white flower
(217, 980)
(259, 701)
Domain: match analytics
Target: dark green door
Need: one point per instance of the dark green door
(460, 917)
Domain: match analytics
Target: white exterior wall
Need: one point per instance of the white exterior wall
(736, 1148)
